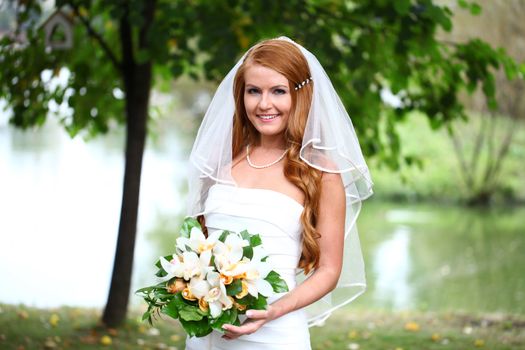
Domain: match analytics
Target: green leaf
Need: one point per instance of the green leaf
(402, 6)
(146, 289)
(247, 252)
(227, 317)
(196, 328)
(191, 313)
(247, 300)
(234, 288)
(259, 303)
(255, 240)
(463, 4)
(245, 235)
(187, 225)
(161, 272)
(278, 284)
(171, 309)
(223, 235)
(475, 9)
(146, 315)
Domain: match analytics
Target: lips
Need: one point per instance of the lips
(267, 117)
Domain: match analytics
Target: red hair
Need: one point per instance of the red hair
(285, 58)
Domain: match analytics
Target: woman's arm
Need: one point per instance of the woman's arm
(330, 224)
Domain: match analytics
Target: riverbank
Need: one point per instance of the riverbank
(24, 328)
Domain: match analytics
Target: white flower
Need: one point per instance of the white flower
(228, 255)
(191, 265)
(197, 242)
(174, 267)
(256, 272)
(216, 297)
(213, 291)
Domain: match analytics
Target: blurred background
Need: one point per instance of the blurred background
(444, 231)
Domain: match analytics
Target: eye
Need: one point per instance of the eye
(279, 91)
(251, 91)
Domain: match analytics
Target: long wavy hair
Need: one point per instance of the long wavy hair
(285, 58)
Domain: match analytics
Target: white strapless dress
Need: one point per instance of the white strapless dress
(276, 218)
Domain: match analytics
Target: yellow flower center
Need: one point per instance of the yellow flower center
(213, 294)
(186, 294)
(226, 279)
(203, 305)
(205, 246)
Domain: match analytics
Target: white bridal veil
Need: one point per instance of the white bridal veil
(329, 144)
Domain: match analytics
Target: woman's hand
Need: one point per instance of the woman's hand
(256, 319)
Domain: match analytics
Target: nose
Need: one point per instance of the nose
(265, 102)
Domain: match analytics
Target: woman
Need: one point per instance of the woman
(277, 155)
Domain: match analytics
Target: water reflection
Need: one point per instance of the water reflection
(59, 207)
(391, 265)
(453, 259)
(60, 203)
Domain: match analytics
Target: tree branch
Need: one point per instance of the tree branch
(458, 148)
(97, 37)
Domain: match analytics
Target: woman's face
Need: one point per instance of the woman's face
(267, 100)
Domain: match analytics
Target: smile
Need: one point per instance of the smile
(267, 116)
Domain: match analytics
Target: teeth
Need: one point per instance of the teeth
(267, 117)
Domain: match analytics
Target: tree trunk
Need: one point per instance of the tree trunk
(137, 83)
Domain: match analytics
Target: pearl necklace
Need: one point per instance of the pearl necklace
(265, 165)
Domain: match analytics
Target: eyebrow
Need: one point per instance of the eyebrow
(273, 87)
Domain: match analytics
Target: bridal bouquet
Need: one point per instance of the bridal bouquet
(210, 281)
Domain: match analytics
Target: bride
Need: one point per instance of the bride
(276, 154)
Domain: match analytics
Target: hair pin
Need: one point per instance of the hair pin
(300, 85)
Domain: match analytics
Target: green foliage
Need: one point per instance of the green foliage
(365, 46)
(227, 317)
(255, 240)
(234, 288)
(278, 284)
(187, 225)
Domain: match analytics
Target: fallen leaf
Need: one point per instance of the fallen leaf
(112, 331)
(106, 340)
(412, 327)
(23, 314)
(436, 337)
(479, 343)
(175, 337)
(53, 320)
(353, 334)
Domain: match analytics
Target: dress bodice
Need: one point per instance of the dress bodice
(271, 214)
(276, 218)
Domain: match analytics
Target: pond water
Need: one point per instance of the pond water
(59, 209)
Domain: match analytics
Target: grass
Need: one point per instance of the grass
(24, 328)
